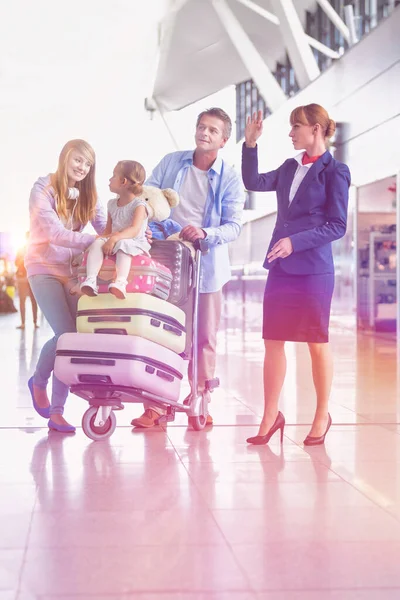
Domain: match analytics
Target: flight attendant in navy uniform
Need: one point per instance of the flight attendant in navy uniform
(312, 192)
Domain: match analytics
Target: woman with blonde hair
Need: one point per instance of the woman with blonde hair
(312, 193)
(60, 205)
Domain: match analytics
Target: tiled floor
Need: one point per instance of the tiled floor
(173, 514)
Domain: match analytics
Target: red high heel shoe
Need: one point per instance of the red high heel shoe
(316, 441)
(264, 439)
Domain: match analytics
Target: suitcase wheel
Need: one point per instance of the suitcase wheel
(93, 431)
(197, 423)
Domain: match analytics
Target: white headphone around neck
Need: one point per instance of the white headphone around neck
(73, 193)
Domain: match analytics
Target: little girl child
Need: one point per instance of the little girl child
(124, 235)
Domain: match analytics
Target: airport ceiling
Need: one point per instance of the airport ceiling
(197, 57)
(50, 50)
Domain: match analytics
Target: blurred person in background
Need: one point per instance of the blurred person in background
(23, 287)
(7, 286)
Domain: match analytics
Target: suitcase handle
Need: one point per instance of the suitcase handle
(94, 379)
(115, 330)
(164, 375)
(166, 327)
(110, 319)
(93, 361)
(172, 329)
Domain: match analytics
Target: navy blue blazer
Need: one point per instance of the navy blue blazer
(316, 216)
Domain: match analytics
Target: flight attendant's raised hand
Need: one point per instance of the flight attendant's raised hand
(254, 128)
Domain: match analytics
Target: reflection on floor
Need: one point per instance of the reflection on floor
(171, 514)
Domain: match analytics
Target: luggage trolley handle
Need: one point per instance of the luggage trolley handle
(201, 247)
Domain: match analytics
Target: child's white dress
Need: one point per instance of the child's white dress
(121, 217)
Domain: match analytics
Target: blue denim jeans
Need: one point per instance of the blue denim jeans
(59, 306)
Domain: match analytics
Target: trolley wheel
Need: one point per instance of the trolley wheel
(198, 423)
(98, 433)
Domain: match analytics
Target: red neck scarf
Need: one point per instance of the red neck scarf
(306, 160)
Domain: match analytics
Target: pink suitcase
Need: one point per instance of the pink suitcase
(123, 360)
(146, 276)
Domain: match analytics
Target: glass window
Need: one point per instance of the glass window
(248, 100)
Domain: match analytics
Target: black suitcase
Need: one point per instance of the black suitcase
(178, 258)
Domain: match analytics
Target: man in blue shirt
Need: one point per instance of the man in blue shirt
(211, 203)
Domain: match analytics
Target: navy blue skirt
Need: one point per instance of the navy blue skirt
(297, 307)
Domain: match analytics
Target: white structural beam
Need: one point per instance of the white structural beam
(274, 19)
(266, 83)
(165, 35)
(176, 5)
(322, 48)
(335, 18)
(168, 23)
(373, 10)
(349, 16)
(260, 11)
(301, 56)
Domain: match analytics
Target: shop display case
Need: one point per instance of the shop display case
(382, 279)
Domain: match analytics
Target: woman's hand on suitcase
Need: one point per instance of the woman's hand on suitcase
(281, 249)
(190, 233)
(149, 235)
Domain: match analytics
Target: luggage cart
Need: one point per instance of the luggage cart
(99, 420)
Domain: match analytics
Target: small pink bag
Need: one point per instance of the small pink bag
(146, 276)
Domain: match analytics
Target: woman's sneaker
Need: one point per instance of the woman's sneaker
(118, 288)
(89, 287)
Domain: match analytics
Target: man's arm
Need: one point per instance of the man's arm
(157, 175)
(231, 216)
